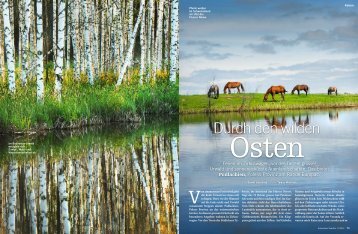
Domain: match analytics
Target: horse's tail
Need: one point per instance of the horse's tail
(242, 87)
(217, 92)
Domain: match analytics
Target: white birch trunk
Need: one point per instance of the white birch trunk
(94, 53)
(60, 48)
(39, 48)
(43, 195)
(150, 37)
(143, 50)
(54, 29)
(154, 185)
(129, 54)
(166, 32)
(87, 43)
(142, 178)
(174, 144)
(62, 189)
(174, 41)
(12, 197)
(130, 18)
(89, 191)
(159, 39)
(9, 45)
(24, 39)
(74, 16)
(31, 198)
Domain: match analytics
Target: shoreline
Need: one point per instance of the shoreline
(252, 102)
(42, 129)
(203, 111)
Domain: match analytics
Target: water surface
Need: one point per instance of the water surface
(334, 149)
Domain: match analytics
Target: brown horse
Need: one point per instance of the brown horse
(275, 90)
(332, 90)
(299, 88)
(232, 85)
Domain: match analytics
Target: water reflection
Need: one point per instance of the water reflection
(93, 180)
(329, 153)
(276, 121)
(333, 115)
(301, 121)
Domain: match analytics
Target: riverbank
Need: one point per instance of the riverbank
(84, 105)
(254, 102)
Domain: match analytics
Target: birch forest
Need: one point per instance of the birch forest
(57, 55)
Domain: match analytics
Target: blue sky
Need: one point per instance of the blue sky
(264, 43)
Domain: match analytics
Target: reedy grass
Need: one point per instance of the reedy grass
(83, 102)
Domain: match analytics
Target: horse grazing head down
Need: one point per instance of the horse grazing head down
(213, 92)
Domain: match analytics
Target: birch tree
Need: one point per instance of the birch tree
(43, 195)
(60, 49)
(31, 198)
(39, 49)
(63, 195)
(12, 199)
(24, 39)
(9, 45)
(174, 145)
(150, 35)
(88, 57)
(159, 38)
(143, 50)
(174, 41)
(129, 54)
(73, 17)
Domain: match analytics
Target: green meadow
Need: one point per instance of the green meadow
(254, 102)
(83, 104)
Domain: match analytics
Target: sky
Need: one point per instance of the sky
(262, 43)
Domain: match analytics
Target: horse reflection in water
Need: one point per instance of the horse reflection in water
(231, 127)
(99, 188)
(276, 122)
(301, 121)
(333, 115)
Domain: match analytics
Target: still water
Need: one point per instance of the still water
(110, 179)
(334, 151)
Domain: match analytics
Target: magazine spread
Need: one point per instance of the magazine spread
(268, 142)
(168, 116)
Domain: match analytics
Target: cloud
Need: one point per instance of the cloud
(339, 39)
(281, 42)
(341, 73)
(262, 48)
(203, 48)
(293, 8)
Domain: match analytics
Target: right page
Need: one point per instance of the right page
(268, 113)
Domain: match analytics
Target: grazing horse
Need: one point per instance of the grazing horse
(332, 90)
(231, 85)
(275, 90)
(213, 92)
(299, 88)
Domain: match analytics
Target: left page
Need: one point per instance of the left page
(88, 116)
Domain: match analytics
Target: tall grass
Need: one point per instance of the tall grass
(254, 102)
(82, 103)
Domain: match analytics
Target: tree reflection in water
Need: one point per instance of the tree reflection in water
(106, 185)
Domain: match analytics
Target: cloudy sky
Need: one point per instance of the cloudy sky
(265, 42)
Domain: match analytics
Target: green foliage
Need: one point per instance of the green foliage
(82, 102)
